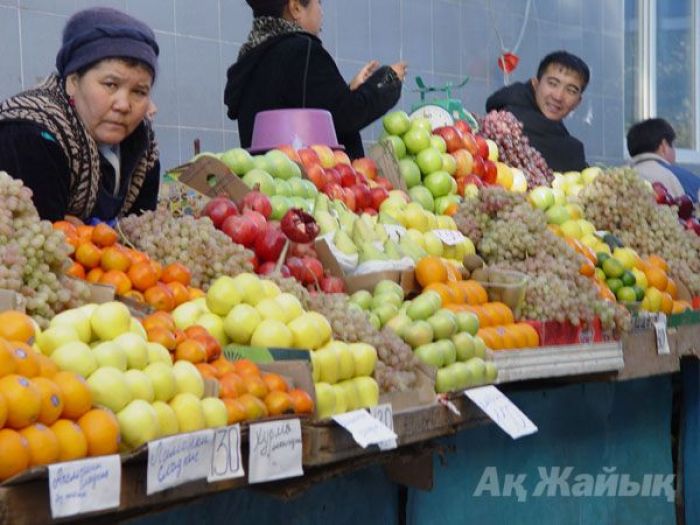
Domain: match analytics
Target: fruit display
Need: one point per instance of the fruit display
(510, 234)
(33, 256)
(620, 202)
(99, 258)
(514, 147)
(196, 243)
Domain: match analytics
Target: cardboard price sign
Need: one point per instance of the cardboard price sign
(502, 411)
(226, 460)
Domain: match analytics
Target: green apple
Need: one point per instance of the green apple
(240, 323)
(138, 423)
(346, 362)
(270, 289)
(135, 348)
(162, 380)
(137, 328)
(188, 379)
(416, 140)
(214, 324)
(446, 380)
(315, 366)
(367, 390)
(250, 285)
(423, 196)
(329, 365)
(140, 385)
(305, 332)
(385, 312)
(433, 244)
(479, 347)
(418, 333)
(77, 320)
(429, 160)
(280, 203)
(448, 349)
(362, 298)
(439, 183)
(215, 413)
(341, 400)
(477, 369)
(387, 297)
(111, 354)
(438, 143)
(280, 165)
(186, 314)
(396, 122)
(157, 353)
(464, 345)
(410, 172)
(365, 358)
(238, 161)
(467, 322)
(399, 322)
(491, 372)
(56, 336)
(271, 309)
(109, 388)
(557, 214)
(462, 375)
(271, 333)
(397, 145)
(109, 320)
(188, 411)
(421, 308)
(223, 295)
(350, 393)
(541, 197)
(167, 420)
(290, 305)
(262, 179)
(325, 400)
(75, 356)
(443, 326)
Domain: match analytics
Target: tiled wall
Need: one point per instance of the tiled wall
(442, 40)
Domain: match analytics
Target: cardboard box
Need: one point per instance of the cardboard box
(422, 393)
(383, 155)
(211, 177)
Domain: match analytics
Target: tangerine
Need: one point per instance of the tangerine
(101, 430)
(223, 366)
(68, 229)
(15, 453)
(191, 350)
(43, 444)
(159, 318)
(278, 402)
(115, 258)
(235, 410)
(445, 292)
(142, 275)
(88, 254)
(51, 400)
(179, 291)
(76, 395)
(275, 382)
(666, 303)
(658, 262)
(16, 326)
(3, 411)
(94, 275)
(76, 270)
(431, 269)
(160, 297)
(208, 371)
(177, 272)
(23, 400)
(71, 440)
(246, 367)
(160, 334)
(672, 288)
(103, 235)
(196, 293)
(656, 277)
(256, 386)
(301, 401)
(84, 233)
(118, 279)
(231, 386)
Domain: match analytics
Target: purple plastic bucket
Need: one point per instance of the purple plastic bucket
(296, 127)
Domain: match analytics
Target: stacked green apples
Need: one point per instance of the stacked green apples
(423, 161)
(342, 374)
(134, 378)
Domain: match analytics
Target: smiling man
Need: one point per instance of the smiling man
(542, 103)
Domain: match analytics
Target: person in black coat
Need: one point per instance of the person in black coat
(82, 139)
(284, 65)
(542, 103)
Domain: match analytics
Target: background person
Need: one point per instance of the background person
(542, 103)
(284, 65)
(81, 139)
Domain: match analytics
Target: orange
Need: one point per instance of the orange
(135, 296)
(103, 235)
(163, 319)
(94, 275)
(278, 402)
(246, 367)
(16, 326)
(483, 315)
(76, 270)
(135, 256)
(101, 430)
(211, 344)
(3, 411)
(656, 277)
(179, 291)
(68, 229)
(88, 255)
(115, 258)
(493, 313)
(301, 401)
(76, 395)
(275, 382)
(476, 293)
(231, 385)
(444, 291)
(118, 279)
(43, 444)
(191, 350)
(491, 338)
(587, 268)
(142, 275)
(51, 400)
(15, 453)
(431, 269)
(256, 386)
(533, 338)
(508, 336)
(84, 232)
(208, 371)
(235, 410)
(458, 293)
(26, 358)
(23, 400)
(658, 262)
(160, 297)
(453, 273)
(177, 272)
(196, 293)
(163, 336)
(8, 365)
(505, 314)
(672, 288)
(71, 440)
(223, 366)
(520, 335)
(666, 303)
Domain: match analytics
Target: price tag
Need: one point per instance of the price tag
(395, 231)
(385, 414)
(275, 451)
(365, 429)
(226, 454)
(502, 411)
(662, 346)
(178, 459)
(86, 485)
(449, 237)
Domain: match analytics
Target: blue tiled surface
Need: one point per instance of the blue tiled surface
(440, 39)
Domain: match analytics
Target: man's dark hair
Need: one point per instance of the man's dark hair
(646, 136)
(567, 61)
(271, 7)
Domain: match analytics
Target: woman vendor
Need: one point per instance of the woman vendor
(284, 65)
(81, 139)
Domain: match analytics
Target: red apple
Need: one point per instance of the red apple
(349, 199)
(490, 172)
(685, 206)
(269, 244)
(363, 196)
(325, 154)
(317, 175)
(301, 250)
(257, 217)
(452, 137)
(254, 262)
(474, 179)
(341, 157)
(370, 211)
(333, 175)
(219, 209)
(332, 284)
(462, 126)
(470, 144)
(309, 158)
(366, 167)
(379, 195)
(288, 150)
(269, 267)
(296, 268)
(314, 267)
(334, 191)
(348, 177)
(242, 229)
(465, 162)
(257, 201)
(483, 148)
(384, 183)
(478, 167)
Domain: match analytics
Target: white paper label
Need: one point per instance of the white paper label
(178, 459)
(275, 451)
(365, 429)
(449, 237)
(226, 454)
(662, 346)
(85, 485)
(395, 231)
(385, 414)
(502, 411)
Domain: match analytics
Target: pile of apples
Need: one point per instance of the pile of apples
(99, 258)
(686, 208)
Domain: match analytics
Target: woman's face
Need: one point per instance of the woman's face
(309, 17)
(111, 98)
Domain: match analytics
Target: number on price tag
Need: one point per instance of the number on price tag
(86, 485)
(662, 346)
(449, 237)
(385, 415)
(502, 411)
(226, 454)
(275, 451)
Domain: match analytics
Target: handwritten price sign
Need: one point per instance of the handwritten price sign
(365, 429)
(384, 414)
(449, 237)
(226, 454)
(175, 460)
(275, 451)
(502, 411)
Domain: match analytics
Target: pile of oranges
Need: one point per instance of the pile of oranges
(194, 344)
(251, 394)
(99, 258)
(46, 415)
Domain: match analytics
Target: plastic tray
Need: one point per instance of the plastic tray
(506, 286)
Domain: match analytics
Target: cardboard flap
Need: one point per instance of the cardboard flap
(382, 153)
(328, 260)
(211, 177)
(422, 393)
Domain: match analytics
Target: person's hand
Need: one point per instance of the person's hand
(400, 69)
(364, 73)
